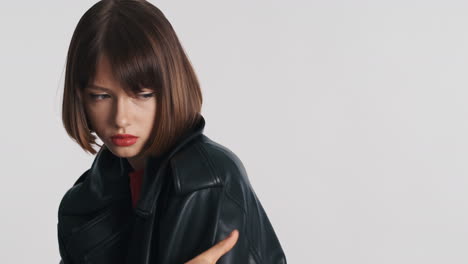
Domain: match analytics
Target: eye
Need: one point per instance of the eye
(98, 96)
(146, 95)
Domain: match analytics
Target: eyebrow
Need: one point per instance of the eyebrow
(92, 86)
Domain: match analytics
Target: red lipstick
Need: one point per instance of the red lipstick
(124, 140)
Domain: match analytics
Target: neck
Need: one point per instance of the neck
(137, 163)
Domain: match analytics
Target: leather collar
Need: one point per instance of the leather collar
(153, 176)
(107, 180)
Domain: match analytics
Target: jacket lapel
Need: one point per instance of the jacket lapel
(152, 178)
(143, 230)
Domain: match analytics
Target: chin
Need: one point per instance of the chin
(124, 152)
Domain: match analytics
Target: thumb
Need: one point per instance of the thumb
(218, 250)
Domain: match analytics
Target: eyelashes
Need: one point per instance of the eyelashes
(147, 95)
(100, 97)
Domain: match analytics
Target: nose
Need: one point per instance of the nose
(122, 113)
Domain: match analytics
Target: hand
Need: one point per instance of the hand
(214, 253)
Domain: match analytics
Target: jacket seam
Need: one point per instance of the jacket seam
(207, 157)
(244, 211)
(255, 255)
(217, 178)
(248, 239)
(178, 184)
(218, 216)
(224, 151)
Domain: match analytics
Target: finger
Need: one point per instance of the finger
(222, 246)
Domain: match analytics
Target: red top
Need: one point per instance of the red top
(136, 178)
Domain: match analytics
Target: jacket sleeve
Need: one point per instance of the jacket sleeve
(257, 241)
(195, 221)
(63, 254)
(64, 257)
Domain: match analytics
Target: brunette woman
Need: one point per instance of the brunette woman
(159, 190)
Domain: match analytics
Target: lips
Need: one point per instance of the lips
(124, 140)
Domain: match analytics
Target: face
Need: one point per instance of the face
(112, 112)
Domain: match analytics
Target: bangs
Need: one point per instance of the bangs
(130, 52)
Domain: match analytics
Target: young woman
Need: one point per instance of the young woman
(159, 190)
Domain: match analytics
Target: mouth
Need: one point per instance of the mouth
(124, 140)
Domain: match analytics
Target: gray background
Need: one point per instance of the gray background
(350, 117)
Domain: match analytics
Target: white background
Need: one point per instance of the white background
(350, 117)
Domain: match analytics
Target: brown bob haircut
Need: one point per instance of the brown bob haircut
(143, 51)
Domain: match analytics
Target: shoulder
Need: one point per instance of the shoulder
(68, 200)
(208, 164)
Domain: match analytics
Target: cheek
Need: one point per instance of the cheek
(148, 111)
(148, 118)
(96, 115)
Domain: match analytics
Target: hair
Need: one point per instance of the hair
(143, 51)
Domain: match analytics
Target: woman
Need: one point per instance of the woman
(159, 190)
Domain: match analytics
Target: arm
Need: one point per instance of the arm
(260, 244)
(195, 221)
(212, 255)
(63, 254)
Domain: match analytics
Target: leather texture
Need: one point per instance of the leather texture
(191, 198)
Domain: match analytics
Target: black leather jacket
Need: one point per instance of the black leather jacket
(191, 198)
